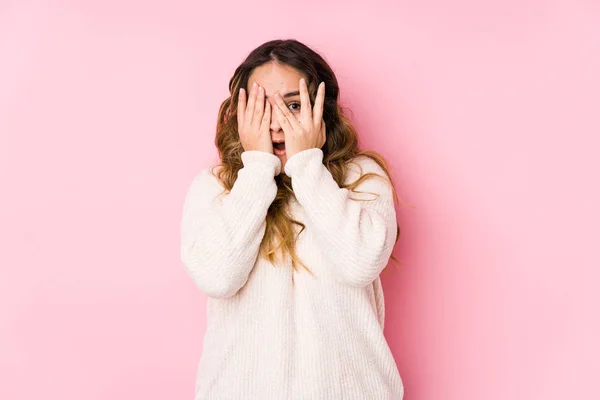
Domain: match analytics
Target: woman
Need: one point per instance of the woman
(287, 237)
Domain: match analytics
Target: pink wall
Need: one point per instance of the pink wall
(487, 111)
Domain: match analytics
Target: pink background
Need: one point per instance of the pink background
(487, 111)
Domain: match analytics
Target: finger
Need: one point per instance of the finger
(250, 105)
(283, 121)
(241, 107)
(258, 107)
(285, 112)
(305, 106)
(323, 134)
(266, 119)
(319, 100)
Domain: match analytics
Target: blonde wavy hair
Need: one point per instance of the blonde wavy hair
(340, 149)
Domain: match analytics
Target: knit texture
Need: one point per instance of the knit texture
(276, 333)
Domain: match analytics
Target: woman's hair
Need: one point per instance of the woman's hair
(340, 148)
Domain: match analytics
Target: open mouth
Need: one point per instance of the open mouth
(279, 146)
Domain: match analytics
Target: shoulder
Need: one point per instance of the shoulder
(206, 179)
(362, 165)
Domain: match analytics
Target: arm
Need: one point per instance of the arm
(357, 237)
(220, 237)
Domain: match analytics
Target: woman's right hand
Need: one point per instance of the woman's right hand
(254, 120)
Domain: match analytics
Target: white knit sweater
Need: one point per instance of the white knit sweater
(275, 333)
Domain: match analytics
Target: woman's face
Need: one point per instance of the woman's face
(285, 79)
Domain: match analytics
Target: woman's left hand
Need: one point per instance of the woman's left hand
(307, 131)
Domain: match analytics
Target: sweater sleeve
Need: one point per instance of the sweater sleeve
(221, 235)
(357, 237)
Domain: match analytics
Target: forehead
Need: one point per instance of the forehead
(273, 76)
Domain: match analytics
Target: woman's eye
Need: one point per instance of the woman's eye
(294, 104)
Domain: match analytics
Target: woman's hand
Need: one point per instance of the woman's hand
(253, 124)
(307, 131)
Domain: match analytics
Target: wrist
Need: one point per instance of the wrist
(262, 160)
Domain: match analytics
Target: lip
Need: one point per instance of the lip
(276, 151)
